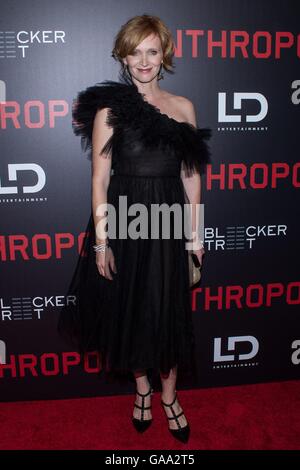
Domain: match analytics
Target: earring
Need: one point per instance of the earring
(125, 74)
(161, 73)
(127, 70)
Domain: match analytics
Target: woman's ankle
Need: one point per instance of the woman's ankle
(167, 396)
(142, 384)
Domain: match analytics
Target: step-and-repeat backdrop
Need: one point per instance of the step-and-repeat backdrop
(238, 61)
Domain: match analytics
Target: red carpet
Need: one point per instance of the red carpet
(263, 416)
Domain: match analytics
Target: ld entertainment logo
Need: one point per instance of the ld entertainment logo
(14, 168)
(238, 99)
(249, 344)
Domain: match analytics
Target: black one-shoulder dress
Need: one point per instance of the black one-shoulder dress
(142, 319)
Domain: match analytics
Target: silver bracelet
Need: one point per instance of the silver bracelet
(101, 247)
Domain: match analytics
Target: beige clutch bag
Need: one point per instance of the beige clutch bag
(194, 269)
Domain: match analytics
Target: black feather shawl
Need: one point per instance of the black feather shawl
(128, 109)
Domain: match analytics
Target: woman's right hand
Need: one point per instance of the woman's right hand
(105, 263)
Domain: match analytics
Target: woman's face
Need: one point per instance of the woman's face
(145, 61)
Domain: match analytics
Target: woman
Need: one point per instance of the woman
(133, 295)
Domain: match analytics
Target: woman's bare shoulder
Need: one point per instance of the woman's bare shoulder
(183, 106)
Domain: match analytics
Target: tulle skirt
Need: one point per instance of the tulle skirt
(142, 319)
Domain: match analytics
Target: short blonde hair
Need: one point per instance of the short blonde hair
(135, 30)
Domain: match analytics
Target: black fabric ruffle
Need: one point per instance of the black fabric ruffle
(107, 94)
(195, 151)
(129, 110)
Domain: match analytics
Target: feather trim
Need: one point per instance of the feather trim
(128, 110)
(106, 94)
(195, 151)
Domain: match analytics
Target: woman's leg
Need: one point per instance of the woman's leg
(168, 382)
(142, 386)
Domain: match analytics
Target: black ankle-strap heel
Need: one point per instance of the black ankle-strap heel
(142, 424)
(182, 433)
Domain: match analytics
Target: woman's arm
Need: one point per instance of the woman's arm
(101, 168)
(192, 186)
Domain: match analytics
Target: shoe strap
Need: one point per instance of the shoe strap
(173, 412)
(176, 416)
(143, 407)
(144, 394)
(170, 404)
